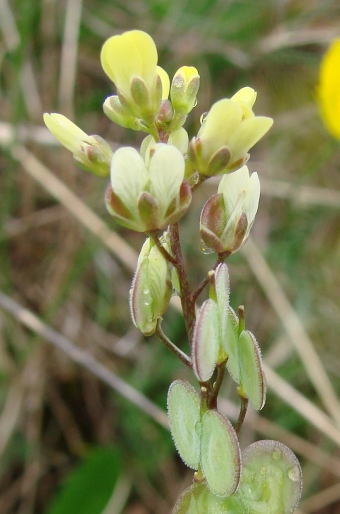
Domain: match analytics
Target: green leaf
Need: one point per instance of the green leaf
(252, 375)
(205, 341)
(184, 418)
(198, 499)
(271, 479)
(220, 454)
(90, 485)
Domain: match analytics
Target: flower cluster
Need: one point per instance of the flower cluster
(150, 190)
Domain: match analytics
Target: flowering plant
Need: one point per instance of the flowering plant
(329, 88)
(150, 191)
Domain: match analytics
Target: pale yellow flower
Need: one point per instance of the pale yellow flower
(130, 61)
(227, 133)
(228, 216)
(148, 193)
(91, 153)
(329, 89)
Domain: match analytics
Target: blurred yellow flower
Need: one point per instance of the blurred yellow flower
(329, 88)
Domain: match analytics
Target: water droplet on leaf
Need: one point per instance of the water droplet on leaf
(205, 249)
(294, 473)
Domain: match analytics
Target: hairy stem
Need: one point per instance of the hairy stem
(188, 303)
(242, 414)
(171, 346)
(167, 256)
(220, 258)
(217, 385)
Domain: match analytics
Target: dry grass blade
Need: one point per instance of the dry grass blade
(294, 328)
(8, 27)
(68, 199)
(321, 499)
(69, 56)
(32, 322)
(302, 405)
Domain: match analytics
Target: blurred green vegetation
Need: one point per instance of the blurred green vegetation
(53, 412)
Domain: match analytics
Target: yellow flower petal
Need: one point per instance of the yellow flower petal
(131, 54)
(165, 82)
(329, 89)
(67, 133)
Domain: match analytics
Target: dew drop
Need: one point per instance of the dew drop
(193, 180)
(294, 473)
(277, 454)
(203, 117)
(205, 249)
(147, 297)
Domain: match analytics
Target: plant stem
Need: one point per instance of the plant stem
(167, 256)
(220, 258)
(243, 412)
(171, 346)
(188, 303)
(217, 385)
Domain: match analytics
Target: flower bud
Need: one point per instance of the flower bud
(228, 131)
(184, 89)
(228, 216)
(149, 194)
(118, 114)
(151, 289)
(91, 153)
(130, 61)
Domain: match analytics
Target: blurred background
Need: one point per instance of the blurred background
(82, 394)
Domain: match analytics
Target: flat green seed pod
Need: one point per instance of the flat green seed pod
(198, 499)
(230, 344)
(252, 375)
(271, 480)
(220, 454)
(222, 286)
(184, 419)
(205, 341)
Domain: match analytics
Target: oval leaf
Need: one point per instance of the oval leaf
(198, 499)
(184, 418)
(252, 375)
(205, 341)
(220, 454)
(271, 478)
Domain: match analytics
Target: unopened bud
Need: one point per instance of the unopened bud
(91, 153)
(114, 110)
(184, 88)
(151, 289)
(228, 216)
